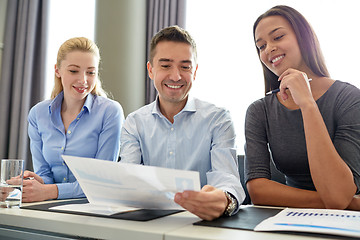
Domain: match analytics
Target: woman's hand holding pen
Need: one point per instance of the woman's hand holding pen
(28, 175)
(32, 187)
(297, 83)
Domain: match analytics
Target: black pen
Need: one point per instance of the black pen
(278, 90)
(273, 91)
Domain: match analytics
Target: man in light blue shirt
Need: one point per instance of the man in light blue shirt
(180, 132)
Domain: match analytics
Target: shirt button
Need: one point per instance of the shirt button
(62, 148)
(64, 179)
(69, 132)
(171, 153)
(172, 129)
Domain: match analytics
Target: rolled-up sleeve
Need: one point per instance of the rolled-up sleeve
(224, 173)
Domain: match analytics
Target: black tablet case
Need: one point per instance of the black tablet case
(246, 218)
(138, 215)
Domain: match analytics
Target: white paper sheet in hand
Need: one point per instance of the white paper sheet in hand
(122, 184)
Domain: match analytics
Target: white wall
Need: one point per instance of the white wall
(120, 34)
(79, 22)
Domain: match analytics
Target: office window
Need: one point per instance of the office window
(230, 74)
(67, 19)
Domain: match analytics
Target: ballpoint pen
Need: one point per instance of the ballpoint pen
(278, 90)
(273, 91)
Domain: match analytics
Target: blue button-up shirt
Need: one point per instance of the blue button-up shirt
(94, 133)
(202, 139)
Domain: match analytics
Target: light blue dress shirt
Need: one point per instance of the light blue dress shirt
(202, 139)
(95, 133)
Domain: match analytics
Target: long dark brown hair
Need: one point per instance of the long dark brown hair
(307, 40)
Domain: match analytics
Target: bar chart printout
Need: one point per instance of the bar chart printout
(324, 221)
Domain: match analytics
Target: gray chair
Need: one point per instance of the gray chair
(276, 175)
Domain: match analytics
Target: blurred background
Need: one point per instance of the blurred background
(229, 74)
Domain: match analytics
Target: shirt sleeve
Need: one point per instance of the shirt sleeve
(347, 135)
(224, 173)
(130, 151)
(69, 190)
(41, 167)
(109, 139)
(257, 155)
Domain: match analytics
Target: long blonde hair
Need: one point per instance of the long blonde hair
(77, 44)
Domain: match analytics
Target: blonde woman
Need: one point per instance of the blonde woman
(78, 120)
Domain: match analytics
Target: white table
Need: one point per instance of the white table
(191, 232)
(94, 227)
(48, 225)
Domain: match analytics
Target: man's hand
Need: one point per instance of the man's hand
(208, 204)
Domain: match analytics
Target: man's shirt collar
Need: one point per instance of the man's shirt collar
(189, 106)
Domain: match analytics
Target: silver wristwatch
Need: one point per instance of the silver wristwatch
(232, 204)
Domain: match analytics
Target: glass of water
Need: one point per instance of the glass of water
(12, 172)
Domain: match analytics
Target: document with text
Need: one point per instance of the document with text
(324, 221)
(128, 186)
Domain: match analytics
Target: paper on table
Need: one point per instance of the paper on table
(121, 184)
(95, 209)
(325, 221)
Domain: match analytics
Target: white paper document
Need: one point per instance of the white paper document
(325, 221)
(94, 209)
(114, 184)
